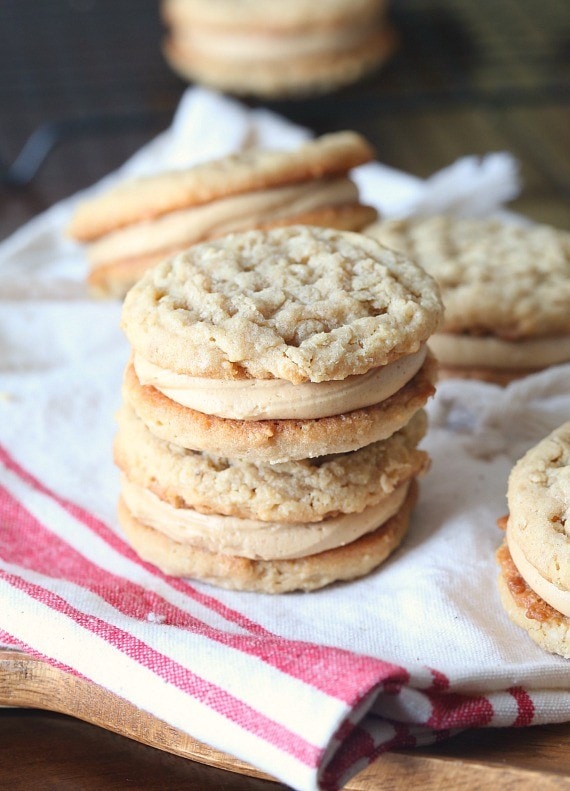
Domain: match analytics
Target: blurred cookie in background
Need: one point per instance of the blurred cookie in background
(276, 49)
(141, 221)
(505, 289)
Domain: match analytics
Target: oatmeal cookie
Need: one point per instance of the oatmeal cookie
(535, 558)
(505, 288)
(307, 573)
(302, 304)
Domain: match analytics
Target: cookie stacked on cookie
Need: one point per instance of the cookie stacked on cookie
(505, 287)
(535, 558)
(141, 221)
(273, 407)
(276, 49)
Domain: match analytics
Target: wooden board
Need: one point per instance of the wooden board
(529, 758)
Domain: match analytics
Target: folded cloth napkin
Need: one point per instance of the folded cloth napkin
(308, 687)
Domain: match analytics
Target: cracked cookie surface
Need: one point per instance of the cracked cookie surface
(301, 491)
(496, 278)
(299, 303)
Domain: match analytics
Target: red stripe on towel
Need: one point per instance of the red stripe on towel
(338, 673)
(211, 695)
(525, 706)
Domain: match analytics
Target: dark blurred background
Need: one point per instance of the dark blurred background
(83, 85)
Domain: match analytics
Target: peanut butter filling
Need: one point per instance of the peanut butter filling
(488, 352)
(252, 538)
(277, 399)
(226, 215)
(552, 594)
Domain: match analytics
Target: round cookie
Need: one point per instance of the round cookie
(549, 628)
(288, 77)
(275, 49)
(276, 441)
(505, 288)
(324, 330)
(535, 558)
(539, 507)
(302, 491)
(272, 407)
(237, 573)
(254, 169)
(140, 222)
(302, 304)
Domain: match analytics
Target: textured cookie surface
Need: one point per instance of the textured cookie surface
(539, 505)
(547, 627)
(278, 576)
(275, 441)
(298, 303)
(117, 276)
(153, 196)
(495, 278)
(301, 491)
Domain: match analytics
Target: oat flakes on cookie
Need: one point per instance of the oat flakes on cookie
(273, 407)
(279, 527)
(505, 287)
(535, 558)
(276, 49)
(138, 223)
(280, 345)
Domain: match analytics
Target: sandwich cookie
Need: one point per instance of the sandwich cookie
(276, 527)
(505, 288)
(274, 49)
(535, 558)
(280, 345)
(140, 222)
(273, 406)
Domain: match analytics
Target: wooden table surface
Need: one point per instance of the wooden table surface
(63, 752)
(83, 85)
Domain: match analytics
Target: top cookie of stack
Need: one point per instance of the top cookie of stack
(273, 48)
(140, 222)
(297, 324)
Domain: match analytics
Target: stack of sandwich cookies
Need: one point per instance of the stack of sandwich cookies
(266, 527)
(274, 49)
(257, 359)
(505, 288)
(140, 222)
(535, 558)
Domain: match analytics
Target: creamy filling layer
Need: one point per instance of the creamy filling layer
(471, 351)
(238, 212)
(553, 595)
(251, 538)
(277, 399)
(255, 45)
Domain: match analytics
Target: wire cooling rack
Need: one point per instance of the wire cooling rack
(76, 69)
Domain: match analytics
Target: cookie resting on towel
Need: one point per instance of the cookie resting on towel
(142, 221)
(505, 288)
(272, 407)
(535, 558)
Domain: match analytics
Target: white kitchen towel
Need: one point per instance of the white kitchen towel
(308, 687)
